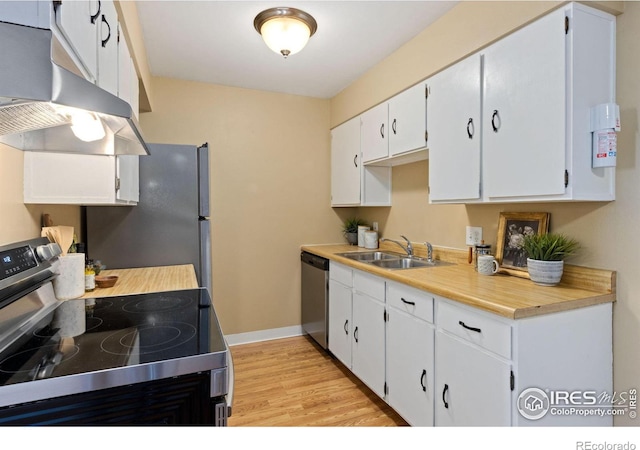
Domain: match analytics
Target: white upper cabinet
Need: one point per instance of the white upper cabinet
(71, 179)
(455, 135)
(91, 29)
(352, 183)
(345, 164)
(407, 120)
(78, 21)
(108, 47)
(128, 89)
(92, 32)
(533, 137)
(395, 128)
(524, 111)
(375, 133)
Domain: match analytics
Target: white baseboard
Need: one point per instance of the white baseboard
(263, 335)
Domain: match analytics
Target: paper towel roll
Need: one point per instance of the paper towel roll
(70, 281)
(361, 230)
(371, 239)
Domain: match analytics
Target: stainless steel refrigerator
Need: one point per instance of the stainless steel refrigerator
(169, 225)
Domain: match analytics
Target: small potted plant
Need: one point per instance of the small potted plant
(350, 229)
(546, 254)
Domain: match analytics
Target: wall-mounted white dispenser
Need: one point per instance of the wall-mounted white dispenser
(605, 122)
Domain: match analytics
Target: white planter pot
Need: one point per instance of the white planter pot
(545, 273)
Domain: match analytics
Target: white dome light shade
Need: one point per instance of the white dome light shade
(285, 35)
(285, 30)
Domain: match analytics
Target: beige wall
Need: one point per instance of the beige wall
(19, 221)
(606, 230)
(270, 190)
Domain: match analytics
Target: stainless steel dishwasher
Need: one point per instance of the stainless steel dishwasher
(315, 297)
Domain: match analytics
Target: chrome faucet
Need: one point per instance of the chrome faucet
(408, 248)
(429, 251)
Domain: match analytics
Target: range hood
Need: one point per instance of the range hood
(40, 100)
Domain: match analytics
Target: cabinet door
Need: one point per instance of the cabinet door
(128, 174)
(125, 66)
(108, 47)
(68, 179)
(78, 21)
(524, 111)
(375, 133)
(407, 120)
(472, 387)
(345, 164)
(368, 354)
(454, 126)
(128, 89)
(410, 377)
(340, 324)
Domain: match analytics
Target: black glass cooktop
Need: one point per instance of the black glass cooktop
(91, 335)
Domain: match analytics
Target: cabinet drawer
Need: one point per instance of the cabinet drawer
(474, 327)
(341, 274)
(369, 284)
(412, 301)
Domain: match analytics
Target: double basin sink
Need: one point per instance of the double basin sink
(392, 260)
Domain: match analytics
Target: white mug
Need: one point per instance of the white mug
(487, 265)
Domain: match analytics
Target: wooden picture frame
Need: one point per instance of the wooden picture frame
(513, 226)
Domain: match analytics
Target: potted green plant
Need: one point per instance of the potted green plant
(546, 254)
(350, 229)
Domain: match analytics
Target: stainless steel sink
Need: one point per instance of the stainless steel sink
(407, 263)
(391, 260)
(371, 256)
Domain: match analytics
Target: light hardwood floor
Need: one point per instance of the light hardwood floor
(293, 382)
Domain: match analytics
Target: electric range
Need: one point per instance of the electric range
(105, 360)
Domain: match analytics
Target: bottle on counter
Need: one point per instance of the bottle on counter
(89, 277)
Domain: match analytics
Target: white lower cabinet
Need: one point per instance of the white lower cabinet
(367, 357)
(410, 354)
(487, 365)
(439, 362)
(356, 323)
(473, 386)
(340, 323)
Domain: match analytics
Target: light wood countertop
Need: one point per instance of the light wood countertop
(501, 294)
(147, 279)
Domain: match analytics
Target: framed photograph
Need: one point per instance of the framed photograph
(512, 229)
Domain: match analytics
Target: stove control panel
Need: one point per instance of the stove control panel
(19, 259)
(16, 260)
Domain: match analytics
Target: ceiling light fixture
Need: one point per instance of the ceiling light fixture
(285, 30)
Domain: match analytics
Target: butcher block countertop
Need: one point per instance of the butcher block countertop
(147, 279)
(506, 295)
